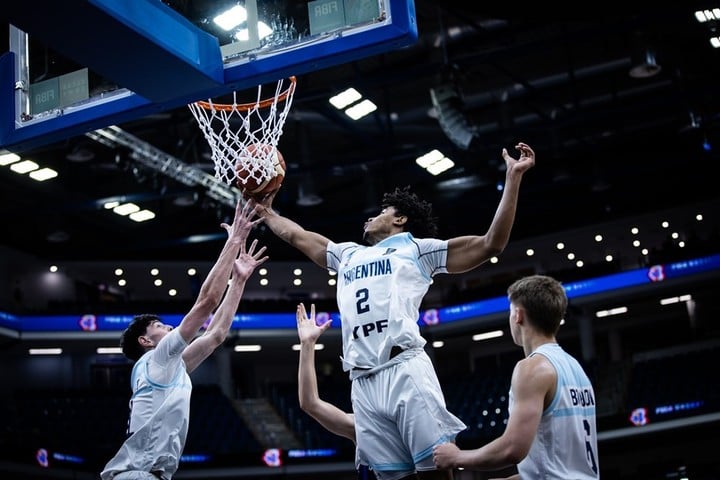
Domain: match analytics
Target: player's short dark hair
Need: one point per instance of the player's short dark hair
(420, 221)
(544, 300)
(137, 328)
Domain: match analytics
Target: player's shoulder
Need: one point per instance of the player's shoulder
(342, 246)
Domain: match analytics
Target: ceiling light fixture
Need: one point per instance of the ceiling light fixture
(435, 162)
(644, 61)
(231, 18)
(448, 108)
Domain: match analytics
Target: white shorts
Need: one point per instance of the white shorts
(400, 414)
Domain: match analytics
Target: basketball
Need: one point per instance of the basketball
(248, 183)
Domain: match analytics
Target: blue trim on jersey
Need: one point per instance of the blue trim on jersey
(172, 383)
(401, 239)
(575, 412)
(141, 391)
(136, 367)
(388, 467)
(144, 362)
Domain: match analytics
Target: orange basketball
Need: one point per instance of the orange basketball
(249, 184)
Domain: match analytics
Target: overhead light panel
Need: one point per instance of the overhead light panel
(264, 30)
(8, 158)
(361, 109)
(353, 103)
(24, 166)
(126, 209)
(109, 350)
(435, 162)
(247, 348)
(231, 18)
(345, 98)
(487, 335)
(45, 351)
(703, 16)
(43, 174)
(142, 215)
(610, 312)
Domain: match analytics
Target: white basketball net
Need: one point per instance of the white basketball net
(234, 131)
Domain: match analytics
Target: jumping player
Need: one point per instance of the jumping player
(165, 356)
(399, 408)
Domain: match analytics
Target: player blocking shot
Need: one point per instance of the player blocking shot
(399, 408)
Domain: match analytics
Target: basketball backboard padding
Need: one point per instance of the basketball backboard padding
(16, 135)
(142, 45)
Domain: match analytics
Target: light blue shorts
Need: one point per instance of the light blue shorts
(400, 414)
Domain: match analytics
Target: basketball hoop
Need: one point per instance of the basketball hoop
(235, 130)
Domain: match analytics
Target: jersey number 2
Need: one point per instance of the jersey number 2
(362, 297)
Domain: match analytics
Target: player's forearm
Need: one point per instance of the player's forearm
(217, 331)
(216, 281)
(223, 318)
(498, 234)
(493, 456)
(312, 244)
(282, 227)
(308, 394)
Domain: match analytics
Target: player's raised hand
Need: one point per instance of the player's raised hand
(522, 164)
(308, 330)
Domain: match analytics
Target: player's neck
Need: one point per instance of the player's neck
(379, 237)
(535, 341)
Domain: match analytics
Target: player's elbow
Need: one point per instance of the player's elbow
(515, 452)
(494, 248)
(306, 405)
(205, 303)
(514, 456)
(216, 337)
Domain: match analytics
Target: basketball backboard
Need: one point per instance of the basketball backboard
(86, 64)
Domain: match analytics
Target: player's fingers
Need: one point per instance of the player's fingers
(300, 313)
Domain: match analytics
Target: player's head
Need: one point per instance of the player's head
(542, 298)
(130, 342)
(420, 221)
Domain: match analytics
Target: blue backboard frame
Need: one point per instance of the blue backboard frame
(398, 30)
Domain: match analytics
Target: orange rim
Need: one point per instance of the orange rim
(247, 106)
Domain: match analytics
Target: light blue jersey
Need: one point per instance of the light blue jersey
(565, 445)
(159, 412)
(400, 411)
(379, 292)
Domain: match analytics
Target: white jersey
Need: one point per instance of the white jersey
(565, 445)
(159, 412)
(379, 292)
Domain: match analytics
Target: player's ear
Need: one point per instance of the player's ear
(400, 220)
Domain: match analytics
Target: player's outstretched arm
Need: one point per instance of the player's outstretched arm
(326, 414)
(219, 327)
(468, 252)
(312, 244)
(216, 281)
